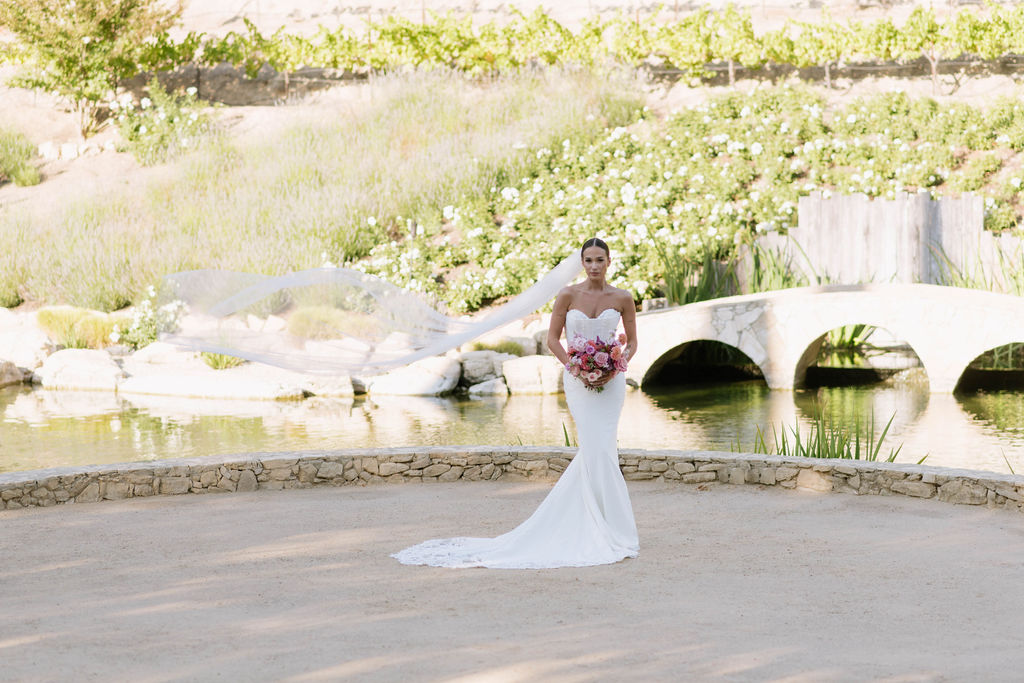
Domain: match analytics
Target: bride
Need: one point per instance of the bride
(586, 519)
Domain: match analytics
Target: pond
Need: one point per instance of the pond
(41, 428)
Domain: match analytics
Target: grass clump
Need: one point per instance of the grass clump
(826, 439)
(77, 328)
(16, 154)
(504, 346)
(219, 361)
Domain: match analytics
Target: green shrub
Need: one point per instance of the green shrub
(16, 154)
(162, 125)
(146, 321)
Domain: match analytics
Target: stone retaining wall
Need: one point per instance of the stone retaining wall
(253, 471)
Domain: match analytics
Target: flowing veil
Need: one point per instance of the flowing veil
(330, 320)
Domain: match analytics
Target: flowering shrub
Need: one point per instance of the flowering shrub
(148, 321)
(693, 187)
(161, 125)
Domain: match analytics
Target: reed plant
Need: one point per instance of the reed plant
(688, 280)
(326, 189)
(826, 439)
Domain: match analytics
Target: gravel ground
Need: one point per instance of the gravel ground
(732, 583)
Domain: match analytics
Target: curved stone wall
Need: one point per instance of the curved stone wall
(255, 471)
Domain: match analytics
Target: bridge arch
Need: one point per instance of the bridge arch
(813, 342)
(780, 331)
(658, 367)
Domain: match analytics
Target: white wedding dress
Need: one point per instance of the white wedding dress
(587, 518)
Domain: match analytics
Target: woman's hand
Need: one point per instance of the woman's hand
(604, 379)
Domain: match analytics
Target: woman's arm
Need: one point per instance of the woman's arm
(629, 326)
(627, 310)
(558, 312)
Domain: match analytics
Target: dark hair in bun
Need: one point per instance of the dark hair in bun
(595, 242)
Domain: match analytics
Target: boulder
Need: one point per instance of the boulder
(480, 366)
(25, 345)
(10, 374)
(427, 377)
(79, 369)
(491, 387)
(533, 375)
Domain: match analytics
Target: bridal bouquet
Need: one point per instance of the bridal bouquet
(592, 359)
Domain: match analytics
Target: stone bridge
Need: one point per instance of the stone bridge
(782, 331)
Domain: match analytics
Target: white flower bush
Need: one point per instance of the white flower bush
(699, 183)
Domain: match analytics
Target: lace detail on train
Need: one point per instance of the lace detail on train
(587, 518)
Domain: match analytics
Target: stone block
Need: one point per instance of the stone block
(247, 481)
(785, 473)
(402, 457)
(478, 459)
(330, 470)
(419, 462)
(699, 477)
(175, 485)
(451, 475)
(813, 480)
(370, 465)
(307, 473)
(142, 490)
(963, 492)
(90, 494)
(116, 490)
(488, 470)
(208, 478)
(918, 489)
(683, 467)
(436, 470)
(386, 469)
(536, 465)
(639, 476)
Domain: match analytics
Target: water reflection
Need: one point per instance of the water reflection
(52, 428)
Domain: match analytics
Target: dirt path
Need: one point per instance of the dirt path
(731, 584)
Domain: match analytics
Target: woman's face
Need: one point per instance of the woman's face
(595, 263)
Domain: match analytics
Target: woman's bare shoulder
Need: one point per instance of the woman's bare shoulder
(623, 298)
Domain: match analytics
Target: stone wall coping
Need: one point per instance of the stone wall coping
(300, 469)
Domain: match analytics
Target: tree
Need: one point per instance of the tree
(733, 40)
(83, 49)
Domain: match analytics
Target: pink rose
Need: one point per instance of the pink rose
(578, 344)
(601, 358)
(574, 370)
(621, 365)
(616, 352)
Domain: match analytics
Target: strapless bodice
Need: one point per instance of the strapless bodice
(604, 326)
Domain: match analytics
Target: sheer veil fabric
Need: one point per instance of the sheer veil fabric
(334, 321)
(586, 519)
